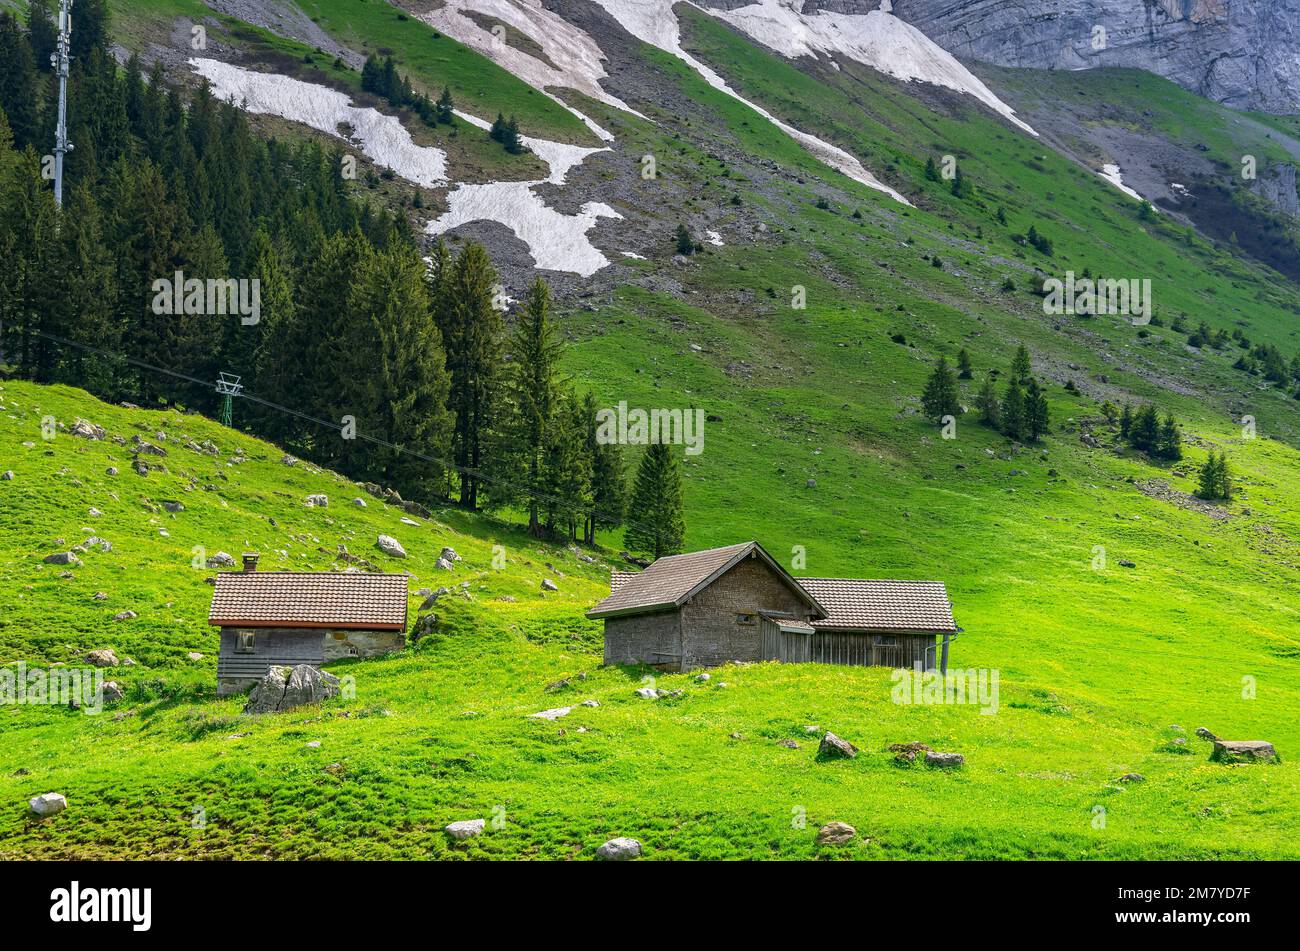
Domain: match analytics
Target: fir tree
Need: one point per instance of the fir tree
(988, 403)
(685, 243)
(1170, 442)
(1126, 422)
(657, 525)
(964, 369)
(446, 108)
(940, 397)
(1021, 369)
(1036, 412)
(931, 170)
(608, 481)
(1012, 407)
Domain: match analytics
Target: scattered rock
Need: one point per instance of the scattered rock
(100, 596)
(788, 744)
(359, 502)
(1125, 563)
(390, 546)
(465, 829)
(554, 714)
(702, 678)
(432, 599)
(1205, 734)
(591, 703)
(124, 615)
(47, 804)
(94, 512)
(111, 692)
(318, 502)
(650, 693)
(7, 475)
(442, 564)
(835, 833)
(283, 688)
(944, 760)
(619, 850)
(912, 748)
(62, 558)
(313, 744)
(194, 655)
(104, 657)
(1132, 778)
(173, 507)
(832, 747)
(449, 553)
(1243, 751)
(87, 430)
(549, 585)
(220, 560)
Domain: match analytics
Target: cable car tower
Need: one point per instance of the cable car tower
(59, 60)
(229, 387)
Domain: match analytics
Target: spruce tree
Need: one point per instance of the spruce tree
(1170, 443)
(530, 411)
(1144, 433)
(656, 522)
(1126, 422)
(446, 109)
(19, 85)
(608, 480)
(1012, 408)
(931, 170)
(940, 397)
(685, 243)
(1036, 412)
(988, 403)
(965, 371)
(472, 337)
(1020, 365)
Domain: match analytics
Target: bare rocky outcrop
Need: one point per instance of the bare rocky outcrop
(1237, 52)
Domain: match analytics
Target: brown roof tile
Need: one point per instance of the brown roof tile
(882, 605)
(670, 580)
(344, 600)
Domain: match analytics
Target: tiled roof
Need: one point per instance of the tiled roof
(793, 624)
(670, 580)
(882, 605)
(619, 578)
(344, 600)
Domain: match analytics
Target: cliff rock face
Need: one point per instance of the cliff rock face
(1243, 53)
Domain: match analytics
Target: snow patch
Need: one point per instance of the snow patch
(877, 39)
(381, 138)
(569, 57)
(1112, 175)
(633, 255)
(654, 22)
(714, 239)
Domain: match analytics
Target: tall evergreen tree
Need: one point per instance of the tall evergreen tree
(608, 481)
(19, 86)
(988, 403)
(964, 369)
(940, 398)
(1021, 369)
(1170, 443)
(471, 328)
(657, 523)
(1036, 412)
(1013, 410)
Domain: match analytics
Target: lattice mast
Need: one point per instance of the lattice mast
(59, 60)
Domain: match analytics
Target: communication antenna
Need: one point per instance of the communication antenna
(59, 60)
(229, 387)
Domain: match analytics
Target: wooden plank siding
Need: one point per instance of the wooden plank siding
(851, 648)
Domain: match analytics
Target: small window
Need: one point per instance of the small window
(887, 640)
(246, 642)
(746, 619)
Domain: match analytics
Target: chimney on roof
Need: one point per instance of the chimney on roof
(250, 562)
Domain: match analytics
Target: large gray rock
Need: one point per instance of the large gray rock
(220, 560)
(832, 747)
(111, 692)
(1238, 52)
(835, 833)
(465, 829)
(1243, 751)
(390, 546)
(62, 558)
(47, 804)
(283, 688)
(944, 760)
(619, 850)
(104, 657)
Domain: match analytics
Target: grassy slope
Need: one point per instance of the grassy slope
(1094, 665)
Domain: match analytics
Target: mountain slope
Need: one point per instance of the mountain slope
(441, 732)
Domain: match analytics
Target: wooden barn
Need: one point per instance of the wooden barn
(738, 604)
(288, 618)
